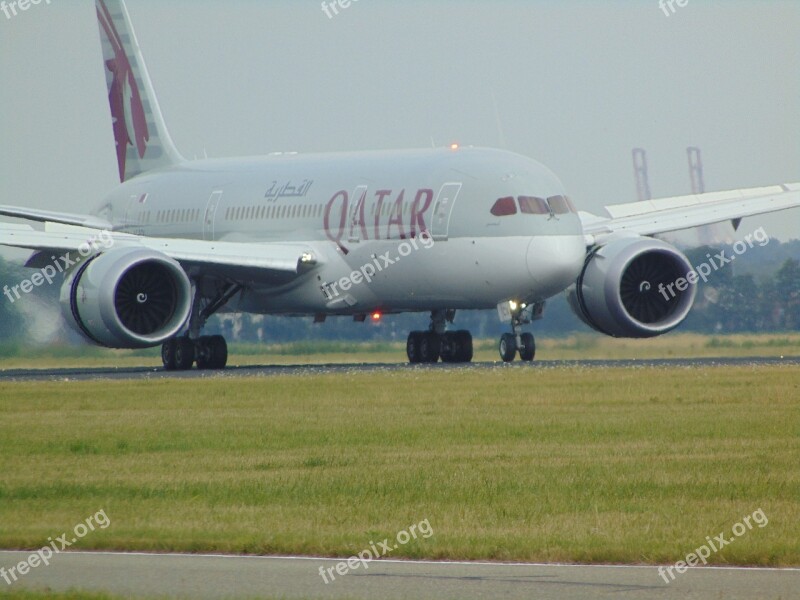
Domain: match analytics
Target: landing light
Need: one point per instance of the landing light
(513, 305)
(376, 316)
(454, 146)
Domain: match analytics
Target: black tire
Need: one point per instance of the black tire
(449, 350)
(184, 354)
(527, 351)
(508, 347)
(219, 352)
(203, 355)
(168, 354)
(464, 352)
(430, 347)
(412, 347)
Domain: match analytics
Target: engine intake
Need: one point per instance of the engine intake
(627, 288)
(127, 298)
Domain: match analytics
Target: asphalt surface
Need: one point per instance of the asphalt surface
(300, 369)
(207, 577)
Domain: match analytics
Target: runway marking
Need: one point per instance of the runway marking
(403, 562)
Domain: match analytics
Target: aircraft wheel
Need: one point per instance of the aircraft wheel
(508, 347)
(203, 354)
(412, 347)
(429, 348)
(449, 348)
(527, 349)
(218, 348)
(168, 355)
(464, 344)
(184, 354)
(211, 353)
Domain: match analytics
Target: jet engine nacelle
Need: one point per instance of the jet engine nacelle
(127, 298)
(628, 288)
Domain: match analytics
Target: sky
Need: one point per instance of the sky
(573, 84)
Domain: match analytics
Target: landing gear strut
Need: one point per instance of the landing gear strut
(514, 342)
(209, 352)
(429, 346)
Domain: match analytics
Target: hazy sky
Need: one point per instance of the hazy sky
(575, 85)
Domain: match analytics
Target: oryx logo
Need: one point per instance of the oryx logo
(127, 109)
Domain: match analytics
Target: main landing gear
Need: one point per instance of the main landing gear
(515, 342)
(429, 346)
(208, 352)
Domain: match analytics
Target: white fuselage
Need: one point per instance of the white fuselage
(393, 231)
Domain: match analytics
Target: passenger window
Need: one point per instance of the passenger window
(531, 205)
(504, 207)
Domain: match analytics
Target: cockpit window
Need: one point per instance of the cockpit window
(561, 205)
(530, 205)
(571, 205)
(504, 207)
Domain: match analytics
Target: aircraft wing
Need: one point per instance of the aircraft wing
(46, 216)
(665, 215)
(269, 262)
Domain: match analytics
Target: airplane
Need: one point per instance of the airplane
(432, 231)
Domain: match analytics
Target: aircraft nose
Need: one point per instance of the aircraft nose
(555, 262)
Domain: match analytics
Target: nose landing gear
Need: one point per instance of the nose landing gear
(515, 342)
(510, 344)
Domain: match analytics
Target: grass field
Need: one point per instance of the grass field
(598, 465)
(585, 346)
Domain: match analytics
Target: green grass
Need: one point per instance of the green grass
(597, 465)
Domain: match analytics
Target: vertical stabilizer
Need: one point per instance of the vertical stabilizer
(143, 142)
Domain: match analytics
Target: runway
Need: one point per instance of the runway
(145, 373)
(215, 576)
